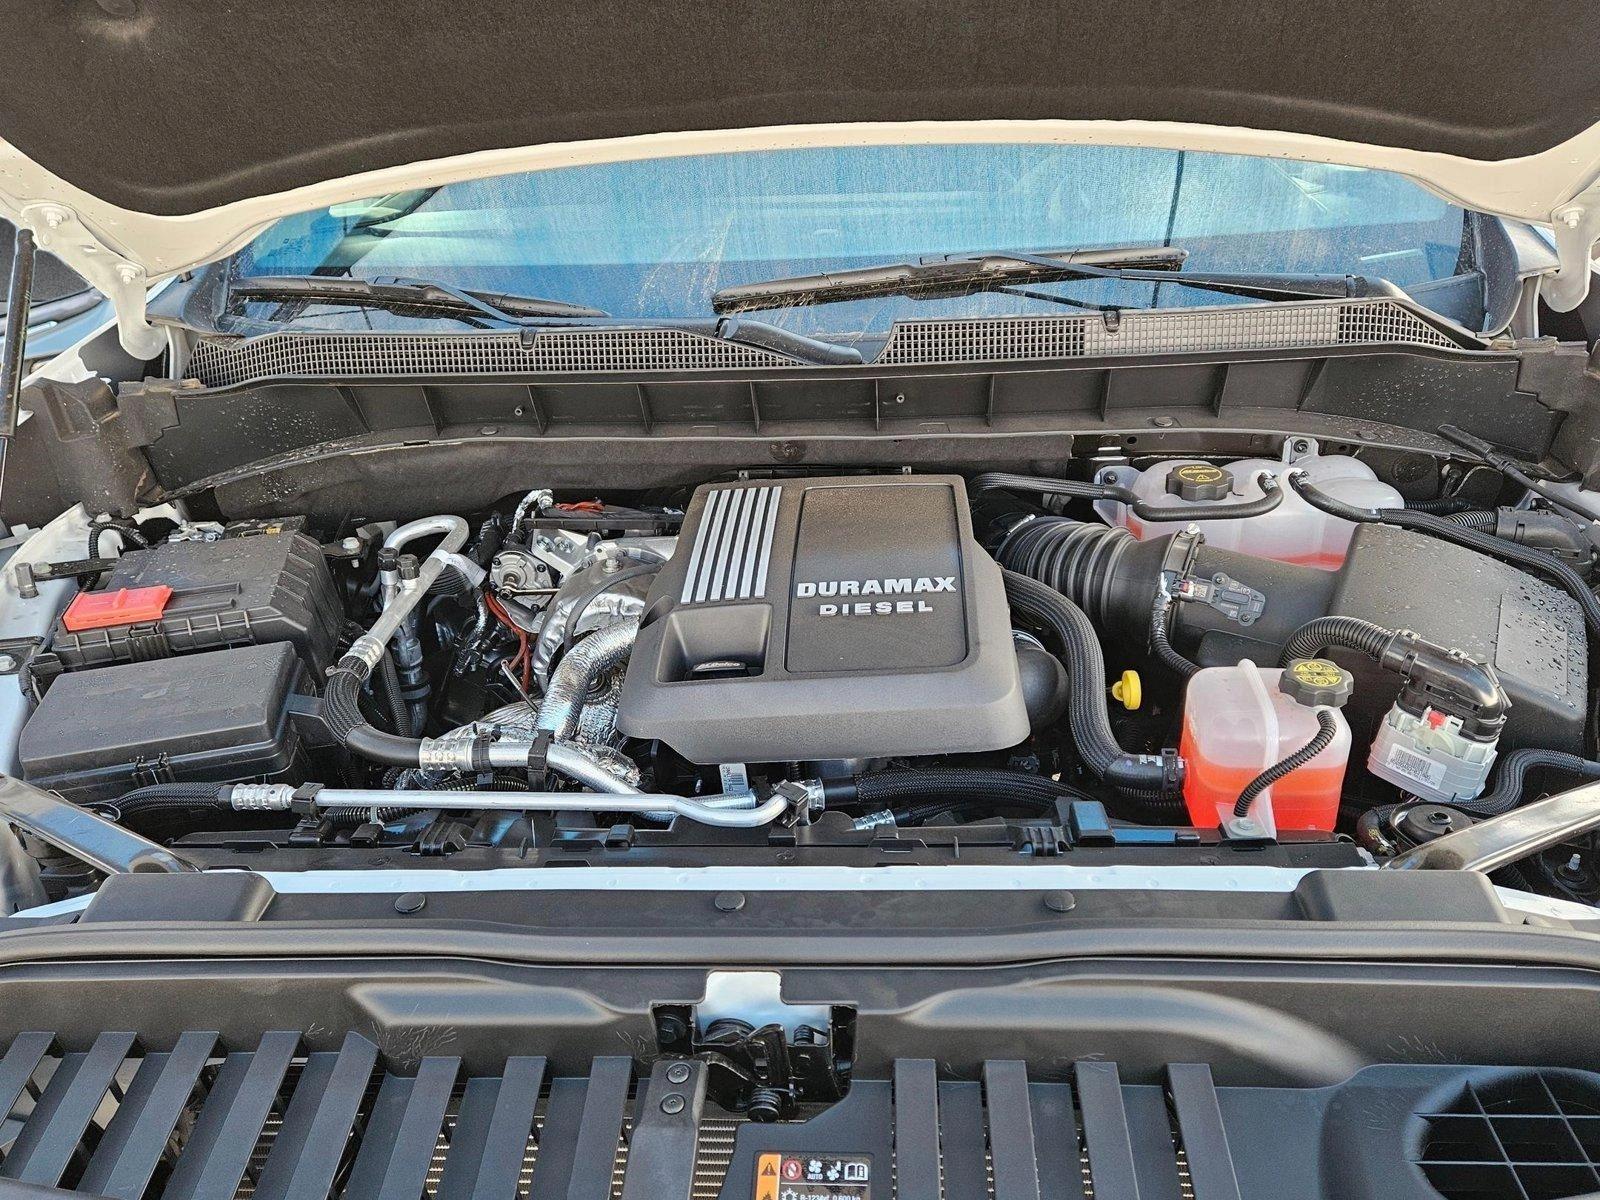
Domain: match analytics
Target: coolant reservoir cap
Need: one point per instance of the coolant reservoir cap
(1199, 481)
(1316, 683)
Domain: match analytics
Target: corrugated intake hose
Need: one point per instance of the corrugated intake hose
(1271, 497)
(1140, 775)
(1473, 539)
(1079, 559)
(1327, 730)
(1513, 770)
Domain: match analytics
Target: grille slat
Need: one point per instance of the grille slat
(605, 1104)
(1205, 1141)
(1105, 1131)
(402, 1130)
(138, 1134)
(490, 1140)
(47, 1143)
(306, 1154)
(1010, 1117)
(917, 1170)
(231, 1120)
(17, 1068)
(219, 362)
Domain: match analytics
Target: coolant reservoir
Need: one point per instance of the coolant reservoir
(1238, 721)
(1292, 532)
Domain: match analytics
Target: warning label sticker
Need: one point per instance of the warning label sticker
(813, 1177)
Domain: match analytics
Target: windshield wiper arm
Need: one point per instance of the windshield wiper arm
(401, 292)
(523, 310)
(998, 271)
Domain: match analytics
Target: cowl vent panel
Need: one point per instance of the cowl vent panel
(223, 362)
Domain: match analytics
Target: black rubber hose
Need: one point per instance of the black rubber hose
(1271, 497)
(1161, 644)
(1086, 667)
(954, 786)
(1348, 633)
(918, 814)
(1327, 730)
(389, 688)
(1475, 519)
(163, 802)
(341, 713)
(1441, 505)
(1441, 527)
(167, 797)
(128, 530)
(1507, 792)
(1087, 710)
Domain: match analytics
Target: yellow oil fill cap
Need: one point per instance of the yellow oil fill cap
(1128, 691)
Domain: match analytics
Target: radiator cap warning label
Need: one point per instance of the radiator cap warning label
(813, 1177)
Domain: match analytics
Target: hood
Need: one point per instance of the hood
(144, 137)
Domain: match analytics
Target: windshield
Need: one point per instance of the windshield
(654, 239)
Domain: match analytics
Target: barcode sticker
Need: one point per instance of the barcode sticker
(1413, 766)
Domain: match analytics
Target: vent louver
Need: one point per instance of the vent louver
(219, 363)
(276, 1119)
(1522, 1135)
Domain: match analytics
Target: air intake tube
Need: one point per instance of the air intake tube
(1123, 584)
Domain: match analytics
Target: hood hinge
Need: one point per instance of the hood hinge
(1577, 229)
(123, 282)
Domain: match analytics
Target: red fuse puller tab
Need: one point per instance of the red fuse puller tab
(108, 610)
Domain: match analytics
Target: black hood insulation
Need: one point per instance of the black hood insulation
(165, 106)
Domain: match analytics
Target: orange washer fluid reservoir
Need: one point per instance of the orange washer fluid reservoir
(1237, 722)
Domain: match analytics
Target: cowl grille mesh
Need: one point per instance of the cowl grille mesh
(232, 363)
(1527, 1135)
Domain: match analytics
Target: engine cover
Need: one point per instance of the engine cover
(826, 618)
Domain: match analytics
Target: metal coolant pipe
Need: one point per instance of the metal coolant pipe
(369, 646)
(735, 811)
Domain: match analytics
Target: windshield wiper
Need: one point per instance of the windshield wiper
(528, 310)
(396, 291)
(963, 274)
